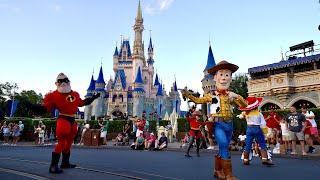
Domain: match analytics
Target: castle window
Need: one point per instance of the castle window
(121, 97)
(114, 98)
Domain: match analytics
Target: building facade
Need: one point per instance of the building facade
(292, 82)
(135, 87)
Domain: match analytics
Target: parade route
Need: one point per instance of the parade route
(30, 162)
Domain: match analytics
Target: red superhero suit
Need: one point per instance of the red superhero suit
(67, 102)
(194, 127)
(67, 105)
(195, 132)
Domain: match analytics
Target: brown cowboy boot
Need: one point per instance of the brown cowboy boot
(264, 157)
(246, 160)
(218, 172)
(227, 169)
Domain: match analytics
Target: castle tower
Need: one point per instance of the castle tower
(175, 98)
(150, 62)
(115, 59)
(99, 108)
(208, 82)
(88, 109)
(138, 54)
(160, 106)
(138, 95)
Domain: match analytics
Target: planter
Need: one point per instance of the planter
(180, 135)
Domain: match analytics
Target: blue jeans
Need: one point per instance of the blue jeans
(223, 134)
(256, 133)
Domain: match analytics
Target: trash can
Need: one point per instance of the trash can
(95, 137)
(87, 138)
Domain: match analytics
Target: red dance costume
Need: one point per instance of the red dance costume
(194, 127)
(66, 129)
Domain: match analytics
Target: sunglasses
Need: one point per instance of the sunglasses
(65, 80)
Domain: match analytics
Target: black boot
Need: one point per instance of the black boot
(65, 161)
(54, 164)
(198, 147)
(190, 145)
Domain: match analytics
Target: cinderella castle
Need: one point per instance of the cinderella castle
(136, 87)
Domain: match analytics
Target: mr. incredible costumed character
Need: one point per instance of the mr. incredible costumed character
(221, 101)
(195, 132)
(67, 102)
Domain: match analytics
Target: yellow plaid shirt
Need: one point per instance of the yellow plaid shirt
(225, 103)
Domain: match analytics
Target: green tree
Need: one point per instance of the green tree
(239, 85)
(6, 92)
(25, 98)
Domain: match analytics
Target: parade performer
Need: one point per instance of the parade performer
(195, 132)
(255, 121)
(67, 102)
(220, 101)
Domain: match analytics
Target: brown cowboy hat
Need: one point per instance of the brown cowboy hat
(253, 103)
(223, 65)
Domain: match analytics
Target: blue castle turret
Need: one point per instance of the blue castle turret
(99, 102)
(207, 81)
(138, 95)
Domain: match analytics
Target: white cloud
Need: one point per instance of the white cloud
(57, 8)
(164, 4)
(149, 10)
(16, 10)
(157, 6)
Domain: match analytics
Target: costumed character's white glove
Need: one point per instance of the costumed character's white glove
(240, 116)
(233, 95)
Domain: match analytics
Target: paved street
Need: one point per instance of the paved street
(28, 162)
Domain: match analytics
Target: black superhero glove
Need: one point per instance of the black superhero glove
(88, 101)
(95, 96)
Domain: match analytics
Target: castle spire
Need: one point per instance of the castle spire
(210, 61)
(100, 77)
(156, 81)
(138, 83)
(116, 53)
(139, 13)
(92, 84)
(139, 76)
(159, 92)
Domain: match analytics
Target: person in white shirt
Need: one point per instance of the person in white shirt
(242, 138)
(285, 135)
(314, 135)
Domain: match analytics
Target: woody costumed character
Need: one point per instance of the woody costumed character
(66, 101)
(255, 121)
(222, 114)
(195, 132)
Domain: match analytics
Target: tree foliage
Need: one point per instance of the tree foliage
(239, 85)
(25, 98)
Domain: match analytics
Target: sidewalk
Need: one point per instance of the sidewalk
(174, 146)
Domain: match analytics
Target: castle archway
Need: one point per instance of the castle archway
(269, 106)
(300, 101)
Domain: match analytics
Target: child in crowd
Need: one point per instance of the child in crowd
(285, 135)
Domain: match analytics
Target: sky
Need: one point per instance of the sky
(41, 38)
